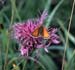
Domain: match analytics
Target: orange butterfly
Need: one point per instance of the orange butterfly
(41, 31)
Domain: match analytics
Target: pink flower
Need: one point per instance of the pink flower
(24, 51)
(54, 38)
(22, 32)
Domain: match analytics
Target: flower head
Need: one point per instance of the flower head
(54, 38)
(22, 32)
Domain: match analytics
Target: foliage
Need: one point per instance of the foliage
(59, 12)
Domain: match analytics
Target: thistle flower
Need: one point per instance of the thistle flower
(22, 32)
(54, 38)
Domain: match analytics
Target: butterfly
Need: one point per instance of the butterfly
(41, 31)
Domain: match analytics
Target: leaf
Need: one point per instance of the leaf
(51, 15)
(69, 53)
(71, 37)
(47, 62)
(47, 6)
(71, 64)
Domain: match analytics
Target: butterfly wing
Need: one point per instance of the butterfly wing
(45, 33)
(35, 33)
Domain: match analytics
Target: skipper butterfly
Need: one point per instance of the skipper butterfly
(41, 31)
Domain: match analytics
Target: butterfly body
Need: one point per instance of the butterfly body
(41, 31)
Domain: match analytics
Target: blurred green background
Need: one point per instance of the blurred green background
(59, 12)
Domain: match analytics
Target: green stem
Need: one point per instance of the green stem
(66, 45)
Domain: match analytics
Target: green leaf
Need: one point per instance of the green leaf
(69, 53)
(47, 62)
(47, 6)
(71, 37)
(51, 15)
(71, 64)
